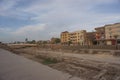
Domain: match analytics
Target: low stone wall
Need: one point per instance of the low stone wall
(15, 46)
(105, 47)
(110, 50)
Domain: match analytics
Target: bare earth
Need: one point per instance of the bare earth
(15, 67)
(85, 66)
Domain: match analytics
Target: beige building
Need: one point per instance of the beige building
(73, 38)
(64, 37)
(77, 37)
(111, 31)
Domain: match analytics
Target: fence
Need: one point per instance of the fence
(108, 47)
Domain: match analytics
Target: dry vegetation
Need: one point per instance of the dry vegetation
(83, 68)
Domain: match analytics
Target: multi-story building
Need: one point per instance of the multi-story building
(100, 31)
(80, 37)
(73, 38)
(90, 38)
(111, 31)
(108, 34)
(77, 37)
(64, 37)
(100, 35)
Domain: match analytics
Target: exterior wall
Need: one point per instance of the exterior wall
(64, 37)
(81, 37)
(102, 35)
(90, 38)
(73, 37)
(100, 31)
(111, 30)
(78, 37)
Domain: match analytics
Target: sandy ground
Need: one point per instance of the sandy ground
(85, 66)
(15, 67)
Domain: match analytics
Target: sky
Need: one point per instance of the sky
(43, 19)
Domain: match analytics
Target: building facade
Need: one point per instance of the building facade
(80, 37)
(111, 31)
(105, 35)
(90, 38)
(73, 37)
(100, 35)
(76, 37)
(64, 37)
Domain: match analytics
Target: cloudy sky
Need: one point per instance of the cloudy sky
(43, 19)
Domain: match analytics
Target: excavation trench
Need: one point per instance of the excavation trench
(83, 68)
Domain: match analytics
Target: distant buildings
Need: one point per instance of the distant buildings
(65, 37)
(76, 37)
(105, 35)
(100, 31)
(90, 38)
(111, 31)
(100, 35)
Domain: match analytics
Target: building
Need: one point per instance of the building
(90, 38)
(73, 37)
(112, 32)
(76, 37)
(65, 37)
(100, 35)
(100, 31)
(108, 34)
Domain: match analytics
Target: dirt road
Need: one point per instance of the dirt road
(96, 57)
(14, 67)
(85, 66)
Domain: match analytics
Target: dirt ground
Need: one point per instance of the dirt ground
(87, 67)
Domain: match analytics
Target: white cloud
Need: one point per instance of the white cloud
(4, 30)
(54, 34)
(59, 15)
(29, 29)
(6, 6)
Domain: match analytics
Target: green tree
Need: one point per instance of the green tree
(57, 40)
(33, 41)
